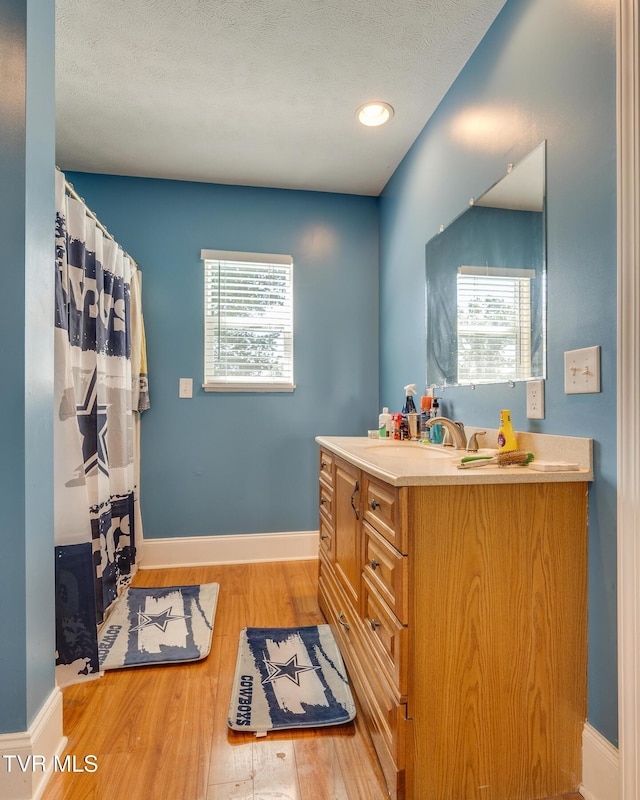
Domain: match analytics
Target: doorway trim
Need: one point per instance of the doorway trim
(628, 400)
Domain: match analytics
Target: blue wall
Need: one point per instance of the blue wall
(26, 359)
(245, 463)
(545, 70)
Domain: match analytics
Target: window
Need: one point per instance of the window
(248, 322)
(494, 324)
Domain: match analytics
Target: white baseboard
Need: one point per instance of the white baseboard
(195, 551)
(600, 770)
(25, 778)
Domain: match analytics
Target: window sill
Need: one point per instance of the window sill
(249, 387)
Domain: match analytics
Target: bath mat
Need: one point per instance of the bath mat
(289, 678)
(158, 626)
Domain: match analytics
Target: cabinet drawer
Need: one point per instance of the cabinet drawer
(386, 720)
(387, 570)
(384, 715)
(326, 501)
(326, 538)
(383, 511)
(326, 467)
(338, 611)
(388, 637)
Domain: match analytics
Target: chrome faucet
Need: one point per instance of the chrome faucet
(455, 429)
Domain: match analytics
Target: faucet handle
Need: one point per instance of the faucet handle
(472, 446)
(447, 438)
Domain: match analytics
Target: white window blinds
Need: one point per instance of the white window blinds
(494, 324)
(248, 312)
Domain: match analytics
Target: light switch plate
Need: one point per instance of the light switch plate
(582, 370)
(535, 399)
(185, 387)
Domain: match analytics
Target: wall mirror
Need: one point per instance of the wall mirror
(486, 285)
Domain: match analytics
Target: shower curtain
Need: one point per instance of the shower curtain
(100, 387)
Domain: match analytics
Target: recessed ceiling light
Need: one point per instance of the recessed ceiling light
(376, 113)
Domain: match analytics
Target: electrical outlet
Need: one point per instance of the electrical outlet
(535, 399)
(582, 370)
(185, 387)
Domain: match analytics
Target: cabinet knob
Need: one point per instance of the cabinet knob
(374, 564)
(323, 500)
(343, 621)
(374, 504)
(374, 624)
(323, 465)
(324, 535)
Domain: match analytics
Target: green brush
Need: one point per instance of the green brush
(509, 458)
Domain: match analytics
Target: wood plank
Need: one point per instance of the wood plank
(275, 774)
(319, 773)
(359, 762)
(231, 751)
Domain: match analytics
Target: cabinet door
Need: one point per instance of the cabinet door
(346, 515)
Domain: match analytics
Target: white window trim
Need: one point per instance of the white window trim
(248, 384)
(248, 258)
(498, 272)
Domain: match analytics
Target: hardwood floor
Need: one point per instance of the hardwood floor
(160, 733)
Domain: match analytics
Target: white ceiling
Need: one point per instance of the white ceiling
(254, 92)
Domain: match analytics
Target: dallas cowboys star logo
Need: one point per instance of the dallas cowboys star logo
(159, 621)
(92, 421)
(290, 670)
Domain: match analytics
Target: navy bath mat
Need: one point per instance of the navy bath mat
(289, 678)
(158, 626)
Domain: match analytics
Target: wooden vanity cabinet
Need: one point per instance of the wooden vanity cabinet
(460, 612)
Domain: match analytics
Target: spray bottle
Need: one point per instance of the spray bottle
(409, 413)
(409, 406)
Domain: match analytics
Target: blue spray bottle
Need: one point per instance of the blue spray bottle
(409, 406)
(409, 413)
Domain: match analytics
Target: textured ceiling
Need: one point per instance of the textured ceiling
(254, 92)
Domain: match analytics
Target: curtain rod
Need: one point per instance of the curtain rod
(73, 193)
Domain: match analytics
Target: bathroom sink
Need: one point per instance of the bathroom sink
(410, 449)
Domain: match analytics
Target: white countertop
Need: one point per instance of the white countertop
(416, 464)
